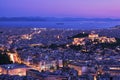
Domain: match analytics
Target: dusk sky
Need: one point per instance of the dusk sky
(60, 8)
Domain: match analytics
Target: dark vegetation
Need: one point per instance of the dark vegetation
(4, 59)
(80, 35)
(55, 46)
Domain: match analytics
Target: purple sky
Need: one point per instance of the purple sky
(61, 8)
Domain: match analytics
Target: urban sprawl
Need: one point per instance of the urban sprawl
(59, 54)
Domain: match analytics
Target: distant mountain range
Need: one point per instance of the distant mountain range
(54, 19)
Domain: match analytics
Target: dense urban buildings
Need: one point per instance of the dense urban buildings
(59, 40)
(59, 54)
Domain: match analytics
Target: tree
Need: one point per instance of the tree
(4, 59)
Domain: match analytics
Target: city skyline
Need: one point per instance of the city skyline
(61, 8)
(59, 40)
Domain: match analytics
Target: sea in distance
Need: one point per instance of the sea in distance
(84, 25)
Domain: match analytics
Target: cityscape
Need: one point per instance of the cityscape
(59, 40)
(59, 54)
